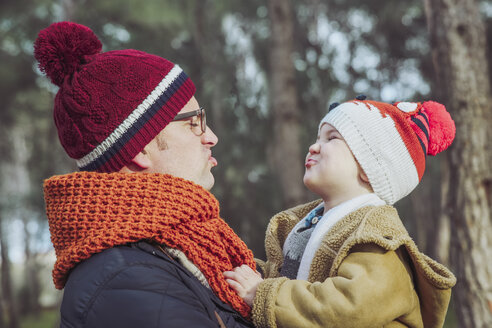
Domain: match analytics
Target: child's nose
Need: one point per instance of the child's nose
(314, 148)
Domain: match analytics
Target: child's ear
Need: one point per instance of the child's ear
(363, 177)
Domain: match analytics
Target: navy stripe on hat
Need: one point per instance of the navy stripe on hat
(421, 126)
(139, 124)
(422, 145)
(424, 116)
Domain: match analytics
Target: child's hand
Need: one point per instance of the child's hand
(244, 281)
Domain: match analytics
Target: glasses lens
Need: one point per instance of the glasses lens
(203, 119)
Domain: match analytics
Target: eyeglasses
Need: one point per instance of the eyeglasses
(200, 113)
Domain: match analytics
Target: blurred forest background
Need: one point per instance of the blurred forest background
(266, 71)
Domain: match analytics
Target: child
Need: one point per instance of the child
(347, 260)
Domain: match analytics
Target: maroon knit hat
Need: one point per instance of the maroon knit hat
(110, 105)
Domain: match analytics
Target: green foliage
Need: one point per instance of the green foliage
(451, 320)
(48, 318)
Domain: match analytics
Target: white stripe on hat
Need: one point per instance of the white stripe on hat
(378, 147)
(132, 118)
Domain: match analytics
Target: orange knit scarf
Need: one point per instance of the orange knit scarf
(89, 212)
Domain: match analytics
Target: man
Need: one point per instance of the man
(137, 235)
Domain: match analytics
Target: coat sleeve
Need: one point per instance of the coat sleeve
(372, 287)
(161, 299)
(260, 266)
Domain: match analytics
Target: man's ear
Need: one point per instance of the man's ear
(140, 162)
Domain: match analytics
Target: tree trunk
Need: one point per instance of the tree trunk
(208, 44)
(459, 52)
(29, 298)
(287, 157)
(3, 322)
(432, 227)
(7, 291)
(68, 9)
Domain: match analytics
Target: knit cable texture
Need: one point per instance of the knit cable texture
(89, 212)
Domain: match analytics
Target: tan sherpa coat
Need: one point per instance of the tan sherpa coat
(367, 272)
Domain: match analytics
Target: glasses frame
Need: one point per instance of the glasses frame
(199, 112)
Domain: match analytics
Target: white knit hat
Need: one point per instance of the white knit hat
(391, 141)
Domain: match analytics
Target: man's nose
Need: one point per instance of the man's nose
(209, 137)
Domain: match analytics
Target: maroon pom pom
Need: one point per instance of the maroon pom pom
(441, 125)
(61, 47)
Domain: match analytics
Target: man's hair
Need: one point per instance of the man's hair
(161, 142)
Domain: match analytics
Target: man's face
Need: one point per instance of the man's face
(185, 154)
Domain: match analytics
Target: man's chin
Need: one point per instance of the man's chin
(209, 182)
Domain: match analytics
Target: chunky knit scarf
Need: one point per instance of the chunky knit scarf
(89, 212)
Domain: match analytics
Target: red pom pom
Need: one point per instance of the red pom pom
(441, 125)
(61, 47)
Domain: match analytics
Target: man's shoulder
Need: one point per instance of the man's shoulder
(133, 268)
(139, 284)
(125, 263)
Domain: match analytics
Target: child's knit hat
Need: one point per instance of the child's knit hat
(110, 105)
(391, 141)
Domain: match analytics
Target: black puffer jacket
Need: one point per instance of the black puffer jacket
(139, 286)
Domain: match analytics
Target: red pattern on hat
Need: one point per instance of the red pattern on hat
(405, 130)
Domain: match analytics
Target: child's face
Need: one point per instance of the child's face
(331, 169)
